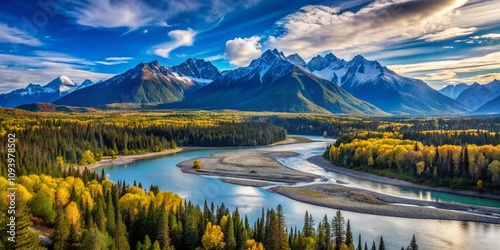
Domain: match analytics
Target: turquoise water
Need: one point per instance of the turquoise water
(431, 234)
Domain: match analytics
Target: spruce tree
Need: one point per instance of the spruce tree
(413, 244)
(338, 229)
(381, 245)
(348, 235)
(229, 234)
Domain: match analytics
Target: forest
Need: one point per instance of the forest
(99, 214)
(49, 144)
(84, 210)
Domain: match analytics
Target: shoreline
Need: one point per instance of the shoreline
(124, 159)
(368, 202)
(321, 162)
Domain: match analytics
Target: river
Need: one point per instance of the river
(397, 232)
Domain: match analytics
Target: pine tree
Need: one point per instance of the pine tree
(120, 237)
(282, 236)
(413, 244)
(61, 230)
(229, 234)
(373, 246)
(24, 238)
(360, 247)
(381, 245)
(338, 229)
(348, 235)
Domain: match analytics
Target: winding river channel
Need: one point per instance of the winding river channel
(397, 232)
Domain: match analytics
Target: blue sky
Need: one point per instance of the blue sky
(439, 41)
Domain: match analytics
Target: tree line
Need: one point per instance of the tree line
(99, 214)
(462, 166)
(49, 145)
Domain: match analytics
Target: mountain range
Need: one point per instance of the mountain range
(50, 92)
(272, 82)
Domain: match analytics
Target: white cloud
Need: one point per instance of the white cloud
(448, 70)
(131, 14)
(213, 58)
(42, 67)
(447, 47)
(241, 51)
(114, 60)
(487, 36)
(316, 28)
(180, 38)
(482, 79)
(449, 33)
(17, 36)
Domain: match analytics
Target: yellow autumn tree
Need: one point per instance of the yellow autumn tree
(254, 245)
(73, 214)
(87, 158)
(197, 164)
(213, 238)
(494, 169)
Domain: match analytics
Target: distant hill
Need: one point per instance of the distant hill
(491, 107)
(49, 107)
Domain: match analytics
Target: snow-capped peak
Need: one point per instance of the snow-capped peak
(198, 70)
(297, 60)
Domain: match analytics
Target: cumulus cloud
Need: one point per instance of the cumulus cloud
(447, 70)
(42, 67)
(241, 51)
(449, 33)
(17, 36)
(316, 28)
(179, 38)
(114, 60)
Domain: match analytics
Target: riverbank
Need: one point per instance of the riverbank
(367, 202)
(321, 162)
(124, 159)
(257, 165)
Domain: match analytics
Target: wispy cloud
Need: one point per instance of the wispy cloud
(316, 28)
(133, 14)
(449, 33)
(487, 36)
(179, 38)
(241, 51)
(447, 70)
(114, 60)
(113, 14)
(43, 66)
(17, 36)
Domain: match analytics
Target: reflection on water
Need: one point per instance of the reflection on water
(397, 232)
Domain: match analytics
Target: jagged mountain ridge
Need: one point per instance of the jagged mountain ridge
(478, 94)
(50, 92)
(453, 91)
(380, 86)
(198, 70)
(145, 83)
(273, 83)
